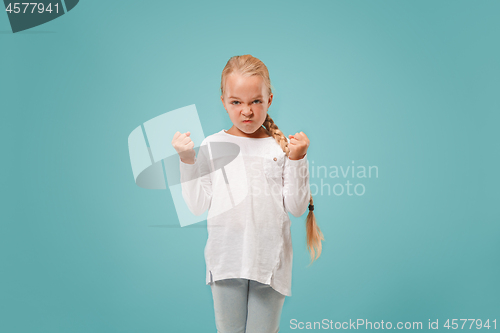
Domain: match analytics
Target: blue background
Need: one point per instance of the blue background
(410, 87)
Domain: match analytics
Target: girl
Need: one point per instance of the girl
(249, 249)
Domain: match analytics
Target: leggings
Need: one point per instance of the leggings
(246, 306)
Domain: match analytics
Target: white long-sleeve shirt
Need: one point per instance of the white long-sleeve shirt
(248, 198)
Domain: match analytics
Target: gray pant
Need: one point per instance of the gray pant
(246, 306)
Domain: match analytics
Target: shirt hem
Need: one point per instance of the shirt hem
(211, 278)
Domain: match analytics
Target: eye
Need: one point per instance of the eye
(257, 100)
(234, 102)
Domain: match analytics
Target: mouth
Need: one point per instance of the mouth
(246, 121)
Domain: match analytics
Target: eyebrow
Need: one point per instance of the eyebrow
(260, 96)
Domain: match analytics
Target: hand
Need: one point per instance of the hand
(298, 145)
(184, 147)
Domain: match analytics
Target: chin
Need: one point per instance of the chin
(247, 131)
(244, 130)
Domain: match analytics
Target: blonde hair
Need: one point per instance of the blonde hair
(248, 65)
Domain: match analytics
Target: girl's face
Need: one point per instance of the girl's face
(246, 101)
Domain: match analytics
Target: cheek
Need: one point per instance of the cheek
(262, 112)
(234, 109)
(258, 109)
(234, 115)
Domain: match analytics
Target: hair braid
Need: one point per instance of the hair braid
(314, 234)
(273, 129)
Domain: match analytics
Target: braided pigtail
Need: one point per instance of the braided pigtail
(314, 234)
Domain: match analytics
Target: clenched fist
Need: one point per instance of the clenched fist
(184, 147)
(297, 145)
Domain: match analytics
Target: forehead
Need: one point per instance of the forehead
(238, 85)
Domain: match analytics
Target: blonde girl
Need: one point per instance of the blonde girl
(249, 250)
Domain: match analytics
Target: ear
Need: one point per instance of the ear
(270, 100)
(222, 100)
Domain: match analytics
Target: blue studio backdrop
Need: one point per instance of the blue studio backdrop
(405, 90)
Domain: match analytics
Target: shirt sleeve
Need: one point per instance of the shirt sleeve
(296, 190)
(196, 183)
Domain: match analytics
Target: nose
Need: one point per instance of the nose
(247, 112)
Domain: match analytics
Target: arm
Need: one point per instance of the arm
(196, 183)
(296, 191)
